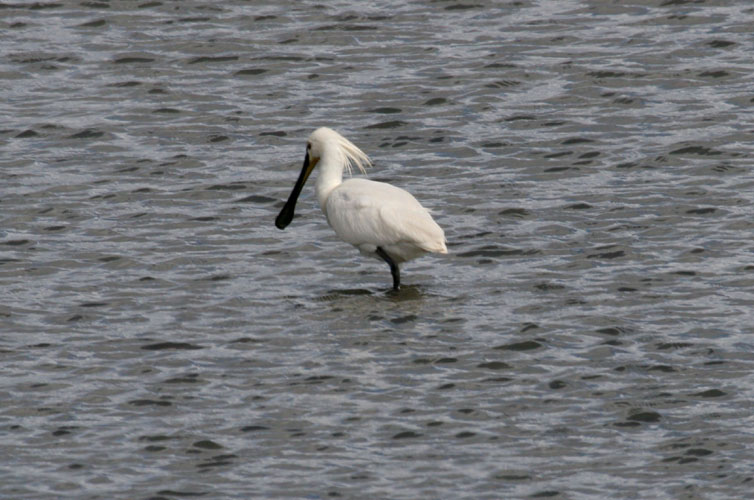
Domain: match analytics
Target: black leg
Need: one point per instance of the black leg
(393, 267)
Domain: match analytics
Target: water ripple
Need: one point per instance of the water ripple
(588, 161)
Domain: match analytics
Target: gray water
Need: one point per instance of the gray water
(589, 336)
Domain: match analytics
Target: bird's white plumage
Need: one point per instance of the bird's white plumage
(368, 214)
(379, 219)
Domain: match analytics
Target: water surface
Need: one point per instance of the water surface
(588, 336)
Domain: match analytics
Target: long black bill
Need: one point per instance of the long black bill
(286, 214)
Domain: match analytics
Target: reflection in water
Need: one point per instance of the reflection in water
(404, 294)
(407, 293)
(346, 292)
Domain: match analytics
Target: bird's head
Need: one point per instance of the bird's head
(341, 153)
(326, 141)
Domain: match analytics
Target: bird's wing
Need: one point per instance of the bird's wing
(413, 225)
(375, 213)
(354, 215)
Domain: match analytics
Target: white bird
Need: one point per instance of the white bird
(379, 219)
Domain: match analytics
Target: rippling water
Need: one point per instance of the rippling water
(589, 335)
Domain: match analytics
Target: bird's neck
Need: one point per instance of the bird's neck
(330, 176)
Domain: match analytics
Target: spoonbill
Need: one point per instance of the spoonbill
(379, 219)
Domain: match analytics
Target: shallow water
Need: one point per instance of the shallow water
(589, 335)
